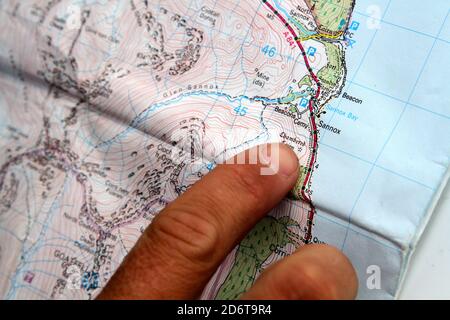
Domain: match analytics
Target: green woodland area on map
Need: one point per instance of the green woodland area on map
(269, 236)
(331, 15)
(331, 74)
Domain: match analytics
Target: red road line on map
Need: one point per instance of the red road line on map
(312, 120)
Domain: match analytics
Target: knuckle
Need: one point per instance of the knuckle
(187, 234)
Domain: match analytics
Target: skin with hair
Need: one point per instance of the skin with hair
(182, 248)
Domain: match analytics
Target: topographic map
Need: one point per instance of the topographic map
(111, 109)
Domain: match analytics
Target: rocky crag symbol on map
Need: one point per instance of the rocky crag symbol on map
(158, 56)
(52, 155)
(60, 72)
(8, 186)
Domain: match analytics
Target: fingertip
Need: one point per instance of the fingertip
(313, 272)
(343, 279)
(287, 160)
(274, 164)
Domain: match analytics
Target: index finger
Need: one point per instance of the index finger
(182, 248)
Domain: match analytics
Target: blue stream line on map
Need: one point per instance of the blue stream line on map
(143, 116)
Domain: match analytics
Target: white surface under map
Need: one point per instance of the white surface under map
(111, 109)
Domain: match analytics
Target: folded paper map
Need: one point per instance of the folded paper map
(109, 110)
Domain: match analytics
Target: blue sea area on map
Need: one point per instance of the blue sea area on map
(399, 70)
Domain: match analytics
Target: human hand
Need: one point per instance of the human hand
(184, 245)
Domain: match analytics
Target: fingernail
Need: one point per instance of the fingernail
(281, 160)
